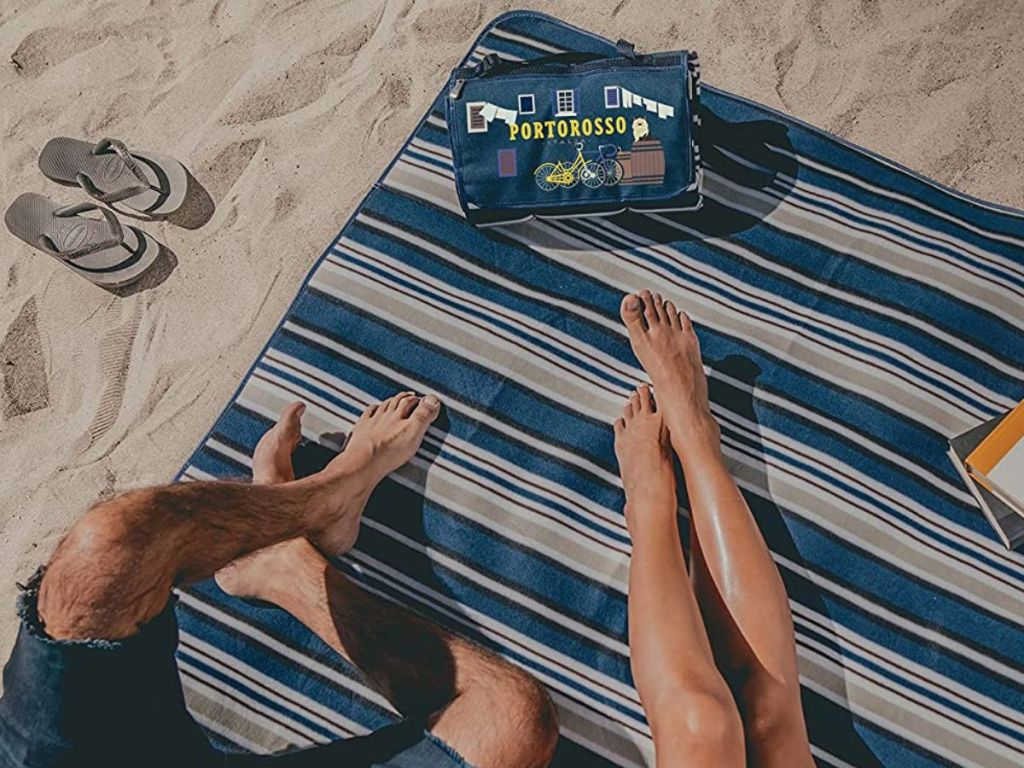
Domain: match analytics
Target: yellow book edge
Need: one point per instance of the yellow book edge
(997, 444)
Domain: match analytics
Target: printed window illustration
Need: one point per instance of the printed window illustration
(565, 103)
(611, 97)
(506, 163)
(527, 104)
(475, 121)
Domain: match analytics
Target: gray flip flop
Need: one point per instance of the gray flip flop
(100, 250)
(150, 184)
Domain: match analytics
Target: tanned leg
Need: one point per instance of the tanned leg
(115, 570)
(688, 704)
(738, 587)
(495, 715)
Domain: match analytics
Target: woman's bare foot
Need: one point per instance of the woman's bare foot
(645, 460)
(664, 342)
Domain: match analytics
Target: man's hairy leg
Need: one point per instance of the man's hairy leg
(115, 570)
(489, 711)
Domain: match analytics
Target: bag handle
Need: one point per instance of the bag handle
(492, 64)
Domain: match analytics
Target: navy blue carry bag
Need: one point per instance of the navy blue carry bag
(575, 134)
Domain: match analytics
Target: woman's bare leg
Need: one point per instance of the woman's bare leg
(738, 587)
(688, 704)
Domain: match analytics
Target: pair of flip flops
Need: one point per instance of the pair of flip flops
(99, 247)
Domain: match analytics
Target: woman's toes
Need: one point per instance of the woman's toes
(405, 404)
(672, 314)
(632, 312)
(619, 425)
(427, 408)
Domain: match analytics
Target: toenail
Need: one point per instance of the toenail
(432, 401)
(632, 303)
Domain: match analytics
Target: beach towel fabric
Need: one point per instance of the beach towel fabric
(852, 315)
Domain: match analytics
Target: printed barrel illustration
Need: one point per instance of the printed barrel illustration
(644, 163)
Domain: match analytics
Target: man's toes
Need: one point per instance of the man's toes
(632, 312)
(290, 423)
(643, 395)
(427, 409)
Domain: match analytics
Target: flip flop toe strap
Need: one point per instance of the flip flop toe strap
(115, 239)
(105, 146)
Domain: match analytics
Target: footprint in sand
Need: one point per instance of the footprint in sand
(25, 385)
(306, 81)
(220, 174)
(48, 47)
(451, 23)
(114, 358)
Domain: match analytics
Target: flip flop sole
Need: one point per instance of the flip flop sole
(165, 173)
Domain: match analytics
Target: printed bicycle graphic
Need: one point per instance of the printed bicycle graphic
(605, 170)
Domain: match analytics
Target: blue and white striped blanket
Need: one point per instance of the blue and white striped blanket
(852, 316)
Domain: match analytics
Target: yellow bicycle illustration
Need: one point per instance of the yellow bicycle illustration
(593, 173)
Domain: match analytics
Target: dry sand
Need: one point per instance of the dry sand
(287, 111)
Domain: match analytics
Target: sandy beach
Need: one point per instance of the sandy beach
(286, 112)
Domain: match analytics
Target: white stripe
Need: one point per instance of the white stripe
(899, 197)
(531, 42)
(223, 727)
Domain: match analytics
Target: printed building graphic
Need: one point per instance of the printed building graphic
(642, 163)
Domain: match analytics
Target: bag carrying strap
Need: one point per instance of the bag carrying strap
(492, 64)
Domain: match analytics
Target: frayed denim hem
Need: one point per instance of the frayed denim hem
(448, 749)
(28, 612)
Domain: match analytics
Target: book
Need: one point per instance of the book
(997, 462)
(1005, 520)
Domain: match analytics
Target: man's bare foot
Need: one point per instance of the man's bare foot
(645, 460)
(271, 573)
(260, 573)
(664, 342)
(384, 438)
(272, 459)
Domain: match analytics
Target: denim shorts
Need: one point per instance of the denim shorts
(120, 703)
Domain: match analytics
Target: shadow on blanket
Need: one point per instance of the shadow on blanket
(749, 169)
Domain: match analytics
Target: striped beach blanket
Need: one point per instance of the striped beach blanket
(852, 315)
